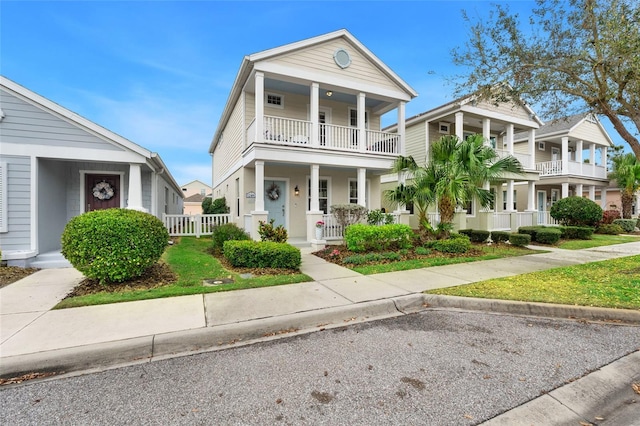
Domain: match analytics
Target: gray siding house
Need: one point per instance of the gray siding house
(55, 164)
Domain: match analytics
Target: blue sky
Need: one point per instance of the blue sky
(159, 72)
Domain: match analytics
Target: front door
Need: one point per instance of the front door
(275, 201)
(542, 199)
(101, 191)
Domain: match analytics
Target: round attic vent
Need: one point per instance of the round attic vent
(342, 58)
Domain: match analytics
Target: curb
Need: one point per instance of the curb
(626, 316)
(188, 342)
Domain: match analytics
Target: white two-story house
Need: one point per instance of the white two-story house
(300, 132)
(571, 157)
(498, 123)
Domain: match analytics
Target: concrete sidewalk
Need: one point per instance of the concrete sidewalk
(35, 338)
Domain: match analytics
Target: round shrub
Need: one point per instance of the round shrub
(500, 236)
(609, 229)
(548, 236)
(460, 244)
(576, 211)
(476, 235)
(227, 232)
(114, 245)
(520, 240)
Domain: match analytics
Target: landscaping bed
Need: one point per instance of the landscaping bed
(11, 274)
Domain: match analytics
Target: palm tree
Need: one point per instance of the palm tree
(455, 174)
(626, 172)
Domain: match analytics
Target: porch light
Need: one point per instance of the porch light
(296, 191)
(329, 93)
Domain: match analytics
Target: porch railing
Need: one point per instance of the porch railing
(332, 230)
(549, 168)
(289, 131)
(544, 218)
(524, 159)
(501, 221)
(524, 219)
(180, 225)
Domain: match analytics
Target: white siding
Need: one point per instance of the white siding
(416, 140)
(590, 132)
(229, 150)
(319, 58)
(507, 108)
(25, 123)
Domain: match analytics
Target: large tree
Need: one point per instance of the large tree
(456, 173)
(571, 56)
(626, 172)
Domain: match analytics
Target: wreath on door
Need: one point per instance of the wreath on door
(103, 191)
(273, 192)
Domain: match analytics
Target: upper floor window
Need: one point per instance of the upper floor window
(353, 118)
(274, 100)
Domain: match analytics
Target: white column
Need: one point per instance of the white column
(565, 156)
(531, 196)
(315, 188)
(401, 129)
(459, 125)
(134, 199)
(579, 147)
(603, 156)
(592, 154)
(314, 110)
(499, 199)
(565, 190)
(592, 192)
(532, 149)
(362, 186)
(486, 131)
(259, 107)
(362, 129)
(603, 197)
(509, 129)
(579, 189)
(259, 183)
(509, 195)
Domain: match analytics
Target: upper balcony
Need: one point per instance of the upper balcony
(292, 132)
(573, 168)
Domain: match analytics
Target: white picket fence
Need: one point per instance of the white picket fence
(181, 225)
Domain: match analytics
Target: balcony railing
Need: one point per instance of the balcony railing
(524, 159)
(288, 131)
(554, 168)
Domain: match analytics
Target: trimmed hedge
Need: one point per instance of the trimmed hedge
(500, 236)
(227, 232)
(530, 230)
(520, 240)
(114, 245)
(476, 235)
(460, 244)
(360, 237)
(609, 229)
(576, 232)
(262, 254)
(628, 225)
(548, 236)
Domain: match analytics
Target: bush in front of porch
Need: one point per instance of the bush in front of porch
(576, 211)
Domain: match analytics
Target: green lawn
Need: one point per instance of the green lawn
(597, 241)
(192, 263)
(608, 284)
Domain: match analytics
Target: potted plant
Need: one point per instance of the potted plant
(319, 228)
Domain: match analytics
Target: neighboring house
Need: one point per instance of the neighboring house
(55, 164)
(300, 132)
(613, 200)
(194, 192)
(571, 157)
(498, 124)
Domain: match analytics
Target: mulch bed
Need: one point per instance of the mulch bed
(11, 274)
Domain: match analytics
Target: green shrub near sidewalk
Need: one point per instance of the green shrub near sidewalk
(114, 245)
(576, 232)
(500, 236)
(457, 244)
(262, 254)
(227, 232)
(548, 236)
(520, 240)
(609, 229)
(476, 235)
(628, 225)
(360, 237)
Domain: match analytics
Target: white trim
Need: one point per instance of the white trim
(83, 173)
(444, 127)
(544, 204)
(329, 192)
(541, 146)
(366, 120)
(367, 190)
(71, 153)
(33, 188)
(4, 207)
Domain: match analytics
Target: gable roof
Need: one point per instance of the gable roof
(564, 126)
(87, 125)
(195, 198)
(198, 182)
(247, 67)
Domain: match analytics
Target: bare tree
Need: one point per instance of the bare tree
(571, 56)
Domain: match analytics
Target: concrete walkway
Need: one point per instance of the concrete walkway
(35, 338)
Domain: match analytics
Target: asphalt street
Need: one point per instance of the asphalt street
(436, 367)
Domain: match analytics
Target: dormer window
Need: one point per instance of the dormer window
(274, 100)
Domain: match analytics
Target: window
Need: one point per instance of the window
(274, 100)
(469, 208)
(443, 128)
(540, 146)
(323, 195)
(353, 192)
(237, 197)
(202, 192)
(166, 200)
(353, 118)
(493, 141)
(4, 226)
(504, 200)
